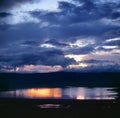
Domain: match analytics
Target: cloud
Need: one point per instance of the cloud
(76, 20)
(47, 57)
(95, 61)
(56, 43)
(97, 68)
(73, 20)
(86, 10)
(38, 68)
(44, 37)
(115, 15)
(110, 45)
(17, 33)
(30, 43)
(7, 4)
(4, 14)
(80, 50)
(52, 58)
(113, 43)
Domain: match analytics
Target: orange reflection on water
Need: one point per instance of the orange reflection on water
(45, 92)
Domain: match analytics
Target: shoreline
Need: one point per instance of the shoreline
(29, 107)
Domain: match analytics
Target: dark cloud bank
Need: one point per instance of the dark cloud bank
(20, 44)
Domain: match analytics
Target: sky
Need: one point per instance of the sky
(59, 35)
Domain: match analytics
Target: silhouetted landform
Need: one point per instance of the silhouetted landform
(58, 79)
(71, 108)
(12, 107)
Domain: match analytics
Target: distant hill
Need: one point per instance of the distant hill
(58, 79)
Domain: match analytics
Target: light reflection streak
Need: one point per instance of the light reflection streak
(79, 93)
(45, 92)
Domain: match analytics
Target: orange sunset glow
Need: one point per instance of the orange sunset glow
(39, 68)
(45, 92)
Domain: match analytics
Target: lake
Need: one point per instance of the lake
(76, 93)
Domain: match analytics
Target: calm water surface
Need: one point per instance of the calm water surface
(80, 93)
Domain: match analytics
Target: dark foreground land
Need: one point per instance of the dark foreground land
(11, 107)
(61, 108)
(58, 79)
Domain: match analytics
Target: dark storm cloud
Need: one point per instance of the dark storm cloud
(93, 61)
(16, 33)
(72, 13)
(81, 50)
(115, 15)
(35, 57)
(113, 43)
(67, 49)
(3, 28)
(99, 66)
(29, 52)
(5, 59)
(48, 58)
(74, 20)
(4, 14)
(79, 18)
(30, 43)
(112, 32)
(56, 43)
(7, 4)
